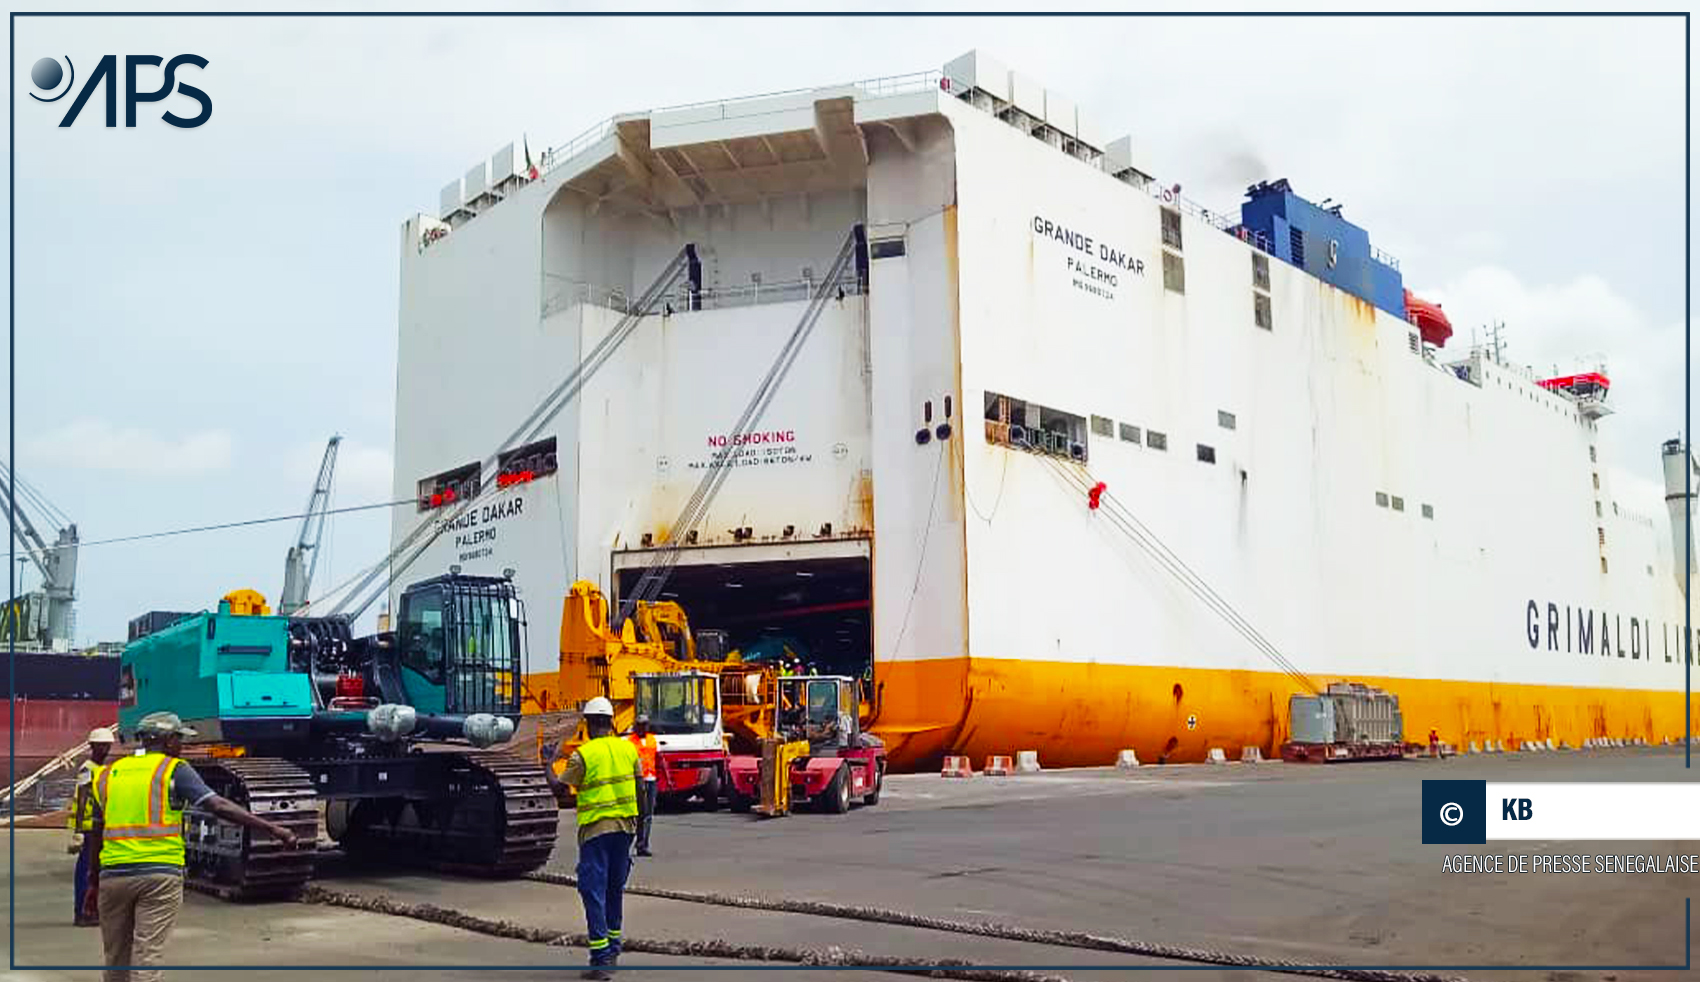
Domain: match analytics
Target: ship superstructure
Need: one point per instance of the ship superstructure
(1303, 481)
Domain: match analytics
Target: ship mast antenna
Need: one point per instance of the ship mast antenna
(1497, 342)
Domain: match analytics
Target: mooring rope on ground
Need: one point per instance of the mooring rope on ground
(832, 956)
(1009, 932)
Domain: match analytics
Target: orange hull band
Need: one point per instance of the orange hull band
(1080, 714)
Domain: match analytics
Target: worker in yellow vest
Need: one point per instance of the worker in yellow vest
(81, 819)
(136, 883)
(604, 772)
(647, 749)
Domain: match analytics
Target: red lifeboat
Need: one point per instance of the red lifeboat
(1430, 320)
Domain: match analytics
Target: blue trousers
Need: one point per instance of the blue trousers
(603, 864)
(82, 883)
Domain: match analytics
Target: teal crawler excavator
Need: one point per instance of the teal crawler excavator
(395, 738)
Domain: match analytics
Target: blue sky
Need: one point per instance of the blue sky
(197, 311)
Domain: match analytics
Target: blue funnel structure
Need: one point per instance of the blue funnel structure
(1319, 241)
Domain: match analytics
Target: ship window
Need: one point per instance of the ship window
(1130, 433)
(1599, 510)
(1103, 427)
(1428, 511)
(527, 463)
(1015, 422)
(1398, 503)
(1602, 564)
(1260, 270)
(1174, 273)
(1597, 487)
(1171, 228)
(1381, 499)
(1262, 315)
(449, 487)
(1206, 454)
(1602, 535)
(1593, 454)
(1225, 420)
(1156, 441)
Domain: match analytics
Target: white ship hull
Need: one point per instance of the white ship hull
(1367, 512)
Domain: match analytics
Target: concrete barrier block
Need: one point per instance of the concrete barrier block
(1251, 755)
(957, 767)
(1127, 760)
(999, 766)
(1216, 756)
(1474, 748)
(1027, 761)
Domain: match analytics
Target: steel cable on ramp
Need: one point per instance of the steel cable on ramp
(665, 559)
(563, 394)
(1013, 932)
(1136, 531)
(828, 957)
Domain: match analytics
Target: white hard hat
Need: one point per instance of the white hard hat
(101, 735)
(599, 706)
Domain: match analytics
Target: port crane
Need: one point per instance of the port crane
(57, 564)
(297, 566)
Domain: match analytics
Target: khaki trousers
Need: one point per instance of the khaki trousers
(136, 914)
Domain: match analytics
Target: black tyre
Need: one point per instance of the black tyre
(710, 791)
(873, 797)
(836, 799)
(739, 803)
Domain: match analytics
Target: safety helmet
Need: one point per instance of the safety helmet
(101, 735)
(599, 706)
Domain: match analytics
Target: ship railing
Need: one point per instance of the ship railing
(718, 298)
(880, 87)
(890, 85)
(751, 294)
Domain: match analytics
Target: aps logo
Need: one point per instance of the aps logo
(47, 75)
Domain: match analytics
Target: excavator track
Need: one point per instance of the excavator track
(498, 819)
(232, 862)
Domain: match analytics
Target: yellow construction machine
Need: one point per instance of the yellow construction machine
(657, 667)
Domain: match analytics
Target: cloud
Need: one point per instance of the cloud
(362, 473)
(1582, 325)
(97, 444)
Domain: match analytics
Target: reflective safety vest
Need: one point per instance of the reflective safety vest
(87, 822)
(139, 823)
(609, 788)
(646, 748)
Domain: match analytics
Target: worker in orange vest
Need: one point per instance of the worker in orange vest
(646, 747)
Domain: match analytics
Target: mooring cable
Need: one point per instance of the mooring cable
(1010, 932)
(832, 956)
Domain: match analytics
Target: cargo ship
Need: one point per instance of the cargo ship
(61, 694)
(1066, 462)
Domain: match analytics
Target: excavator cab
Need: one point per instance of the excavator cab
(460, 645)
